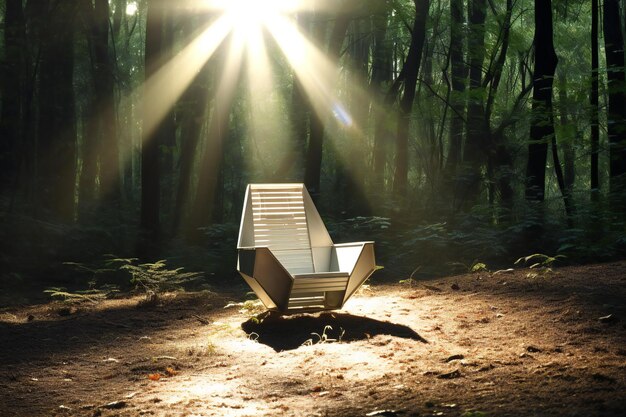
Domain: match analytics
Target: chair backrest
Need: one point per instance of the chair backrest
(284, 218)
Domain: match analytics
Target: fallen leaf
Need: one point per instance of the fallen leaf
(171, 371)
(154, 377)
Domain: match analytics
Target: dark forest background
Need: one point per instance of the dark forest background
(487, 130)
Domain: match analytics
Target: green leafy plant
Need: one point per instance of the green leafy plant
(92, 295)
(156, 277)
(410, 280)
(541, 264)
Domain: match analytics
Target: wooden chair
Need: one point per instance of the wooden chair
(287, 256)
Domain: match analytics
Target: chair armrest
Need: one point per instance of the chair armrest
(346, 255)
(345, 245)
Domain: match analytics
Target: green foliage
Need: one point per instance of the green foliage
(92, 295)
(542, 264)
(155, 277)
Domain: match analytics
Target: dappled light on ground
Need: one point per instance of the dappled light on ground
(504, 344)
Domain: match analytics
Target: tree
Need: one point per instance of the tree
(12, 88)
(313, 163)
(101, 142)
(150, 158)
(474, 156)
(381, 78)
(593, 99)
(616, 129)
(411, 69)
(458, 75)
(56, 145)
(542, 127)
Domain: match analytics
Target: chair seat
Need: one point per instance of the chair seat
(320, 282)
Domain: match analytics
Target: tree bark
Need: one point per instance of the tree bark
(313, 166)
(614, 50)
(475, 144)
(542, 127)
(593, 99)
(411, 69)
(12, 89)
(101, 143)
(458, 75)
(381, 75)
(150, 164)
(56, 147)
(208, 190)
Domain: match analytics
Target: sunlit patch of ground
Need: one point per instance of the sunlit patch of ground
(503, 345)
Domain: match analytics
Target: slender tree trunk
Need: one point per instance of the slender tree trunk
(101, 143)
(411, 69)
(56, 147)
(353, 165)
(569, 154)
(192, 113)
(381, 75)
(208, 191)
(12, 89)
(150, 158)
(614, 50)
(458, 75)
(542, 127)
(593, 98)
(500, 161)
(475, 144)
(313, 167)
(168, 126)
(291, 167)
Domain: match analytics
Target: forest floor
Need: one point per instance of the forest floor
(469, 345)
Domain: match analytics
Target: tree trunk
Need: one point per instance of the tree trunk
(12, 89)
(150, 164)
(291, 167)
(475, 144)
(208, 189)
(352, 164)
(101, 143)
(313, 167)
(614, 50)
(381, 75)
(593, 99)
(542, 127)
(458, 75)
(569, 153)
(192, 113)
(411, 69)
(56, 147)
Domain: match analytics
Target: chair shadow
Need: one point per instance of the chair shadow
(291, 332)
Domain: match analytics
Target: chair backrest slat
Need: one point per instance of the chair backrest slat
(280, 222)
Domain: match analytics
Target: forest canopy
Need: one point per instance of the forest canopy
(451, 132)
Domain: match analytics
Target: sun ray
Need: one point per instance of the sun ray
(316, 73)
(163, 89)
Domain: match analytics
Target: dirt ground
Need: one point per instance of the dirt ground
(470, 345)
